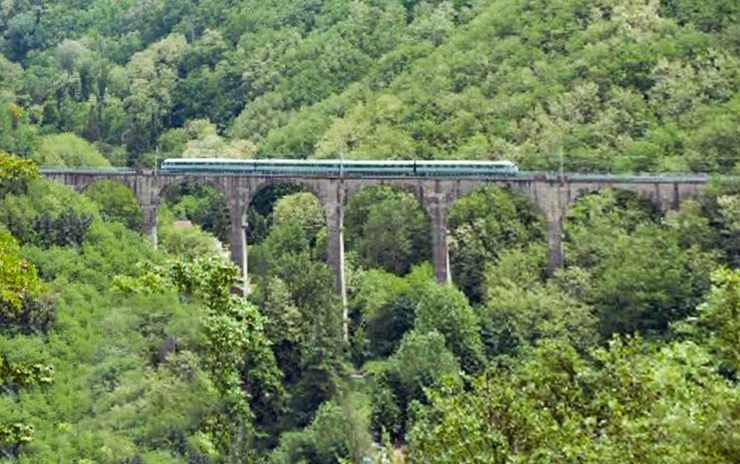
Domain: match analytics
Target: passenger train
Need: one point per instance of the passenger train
(341, 168)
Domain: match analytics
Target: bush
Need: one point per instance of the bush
(15, 174)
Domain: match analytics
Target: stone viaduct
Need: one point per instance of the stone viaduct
(552, 194)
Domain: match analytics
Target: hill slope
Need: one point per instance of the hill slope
(609, 85)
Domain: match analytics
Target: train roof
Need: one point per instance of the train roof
(339, 161)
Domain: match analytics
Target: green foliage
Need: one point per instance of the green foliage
(19, 287)
(22, 305)
(631, 289)
(445, 310)
(15, 174)
(483, 225)
(520, 310)
(337, 433)
(388, 229)
(383, 309)
(719, 316)
(639, 401)
(49, 214)
(17, 133)
(185, 240)
(655, 87)
(203, 205)
(18, 278)
(116, 202)
(260, 213)
(422, 361)
(14, 375)
(68, 150)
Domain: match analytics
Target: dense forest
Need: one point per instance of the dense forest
(114, 351)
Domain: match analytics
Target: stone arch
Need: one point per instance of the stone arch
(172, 187)
(92, 180)
(421, 245)
(647, 197)
(258, 186)
(217, 182)
(83, 183)
(413, 186)
(663, 195)
(475, 233)
(128, 183)
(314, 186)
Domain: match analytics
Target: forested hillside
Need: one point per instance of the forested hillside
(113, 351)
(609, 85)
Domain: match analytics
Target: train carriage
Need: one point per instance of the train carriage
(342, 168)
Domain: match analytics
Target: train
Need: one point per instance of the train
(341, 168)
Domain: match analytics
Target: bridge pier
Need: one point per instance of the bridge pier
(334, 208)
(150, 222)
(238, 245)
(555, 243)
(440, 248)
(437, 202)
(552, 199)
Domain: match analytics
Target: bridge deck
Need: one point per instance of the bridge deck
(522, 176)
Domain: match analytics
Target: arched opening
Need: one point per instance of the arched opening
(284, 219)
(294, 287)
(632, 265)
(485, 224)
(387, 228)
(596, 216)
(388, 242)
(193, 220)
(117, 203)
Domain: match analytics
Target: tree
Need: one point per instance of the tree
(719, 318)
(116, 203)
(19, 287)
(484, 225)
(421, 362)
(388, 229)
(552, 404)
(15, 174)
(630, 289)
(186, 241)
(520, 310)
(444, 309)
(337, 433)
(49, 214)
(203, 205)
(237, 354)
(153, 74)
(68, 150)
(383, 309)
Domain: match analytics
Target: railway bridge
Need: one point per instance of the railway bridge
(552, 194)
